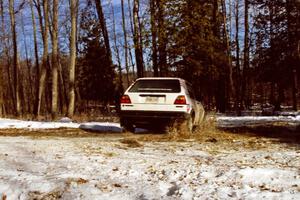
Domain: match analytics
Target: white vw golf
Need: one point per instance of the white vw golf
(152, 102)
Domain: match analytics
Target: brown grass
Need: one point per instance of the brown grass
(60, 132)
(215, 140)
(207, 131)
(131, 142)
(109, 154)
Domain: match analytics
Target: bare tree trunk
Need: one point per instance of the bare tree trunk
(73, 8)
(230, 17)
(137, 39)
(10, 90)
(63, 88)
(237, 91)
(16, 57)
(1, 66)
(131, 62)
(29, 93)
(132, 33)
(227, 43)
(9, 103)
(220, 89)
(44, 32)
(116, 49)
(36, 54)
(60, 92)
(10, 81)
(295, 81)
(140, 34)
(104, 29)
(274, 98)
(54, 59)
(293, 46)
(125, 42)
(295, 90)
(162, 39)
(245, 84)
(153, 14)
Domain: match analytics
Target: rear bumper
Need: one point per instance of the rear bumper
(150, 116)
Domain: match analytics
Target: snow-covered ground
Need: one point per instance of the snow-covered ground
(214, 165)
(63, 123)
(229, 122)
(292, 122)
(22, 124)
(128, 167)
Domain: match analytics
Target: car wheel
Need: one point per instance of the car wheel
(127, 125)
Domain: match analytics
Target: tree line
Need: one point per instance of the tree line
(66, 57)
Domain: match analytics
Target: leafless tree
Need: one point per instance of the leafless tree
(74, 11)
(137, 35)
(117, 51)
(16, 57)
(153, 16)
(125, 42)
(104, 29)
(44, 31)
(54, 58)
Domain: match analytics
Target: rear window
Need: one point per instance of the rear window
(163, 86)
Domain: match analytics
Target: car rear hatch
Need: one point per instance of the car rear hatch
(155, 95)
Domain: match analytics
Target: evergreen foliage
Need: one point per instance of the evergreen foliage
(197, 49)
(277, 35)
(95, 74)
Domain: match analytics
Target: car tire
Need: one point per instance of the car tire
(127, 125)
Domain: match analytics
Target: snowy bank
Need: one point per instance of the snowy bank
(245, 121)
(21, 124)
(101, 127)
(89, 126)
(292, 122)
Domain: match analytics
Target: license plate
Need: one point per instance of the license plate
(151, 99)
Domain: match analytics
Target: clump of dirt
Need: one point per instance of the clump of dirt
(53, 195)
(132, 143)
(78, 181)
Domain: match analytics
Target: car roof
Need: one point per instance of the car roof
(182, 81)
(160, 78)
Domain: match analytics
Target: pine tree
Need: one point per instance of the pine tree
(95, 74)
(197, 48)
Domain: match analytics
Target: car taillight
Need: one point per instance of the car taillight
(180, 100)
(125, 99)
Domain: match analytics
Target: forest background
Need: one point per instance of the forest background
(72, 57)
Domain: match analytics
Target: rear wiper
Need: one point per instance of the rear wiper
(155, 89)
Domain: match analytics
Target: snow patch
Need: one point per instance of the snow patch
(20, 124)
(63, 123)
(102, 127)
(242, 121)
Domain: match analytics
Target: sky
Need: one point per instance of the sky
(25, 30)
